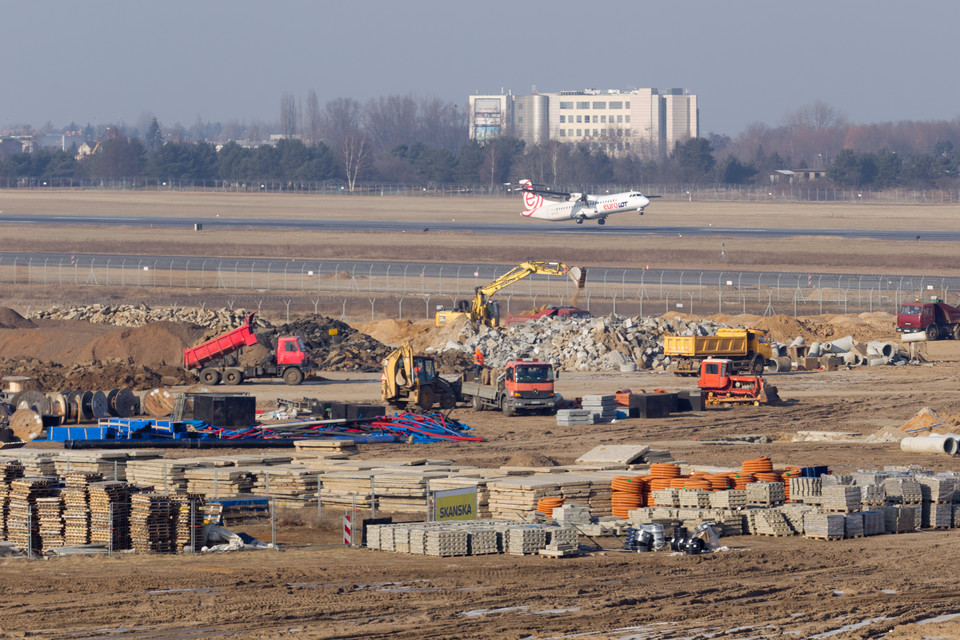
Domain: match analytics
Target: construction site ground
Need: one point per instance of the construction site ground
(895, 586)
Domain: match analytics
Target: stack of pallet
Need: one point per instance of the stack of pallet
(38, 462)
(151, 522)
(214, 482)
(900, 519)
(110, 514)
(516, 498)
(188, 520)
(22, 521)
(523, 541)
(76, 500)
(403, 491)
(293, 486)
(873, 523)
(852, 525)
(50, 518)
(10, 470)
(765, 493)
(824, 526)
(937, 488)
(729, 499)
(936, 515)
(903, 490)
(331, 449)
(806, 490)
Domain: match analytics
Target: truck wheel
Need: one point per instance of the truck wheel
(293, 376)
(233, 376)
(210, 376)
(933, 332)
(757, 365)
(508, 410)
(476, 403)
(426, 398)
(956, 332)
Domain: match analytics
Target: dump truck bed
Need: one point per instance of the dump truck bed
(704, 346)
(221, 345)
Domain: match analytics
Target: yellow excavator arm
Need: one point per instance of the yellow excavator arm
(479, 309)
(397, 373)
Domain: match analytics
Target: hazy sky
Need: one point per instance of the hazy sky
(102, 61)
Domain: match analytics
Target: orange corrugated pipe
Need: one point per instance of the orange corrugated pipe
(548, 504)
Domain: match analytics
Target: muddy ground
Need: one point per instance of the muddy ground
(760, 587)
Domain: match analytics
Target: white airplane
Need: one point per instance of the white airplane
(578, 206)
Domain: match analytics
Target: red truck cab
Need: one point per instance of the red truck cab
(931, 316)
(290, 351)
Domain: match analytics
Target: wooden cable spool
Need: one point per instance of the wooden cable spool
(32, 400)
(158, 402)
(26, 424)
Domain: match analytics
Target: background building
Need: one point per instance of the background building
(643, 122)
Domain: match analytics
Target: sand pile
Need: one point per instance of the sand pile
(10, 319)
(393, 332)
(152, 345)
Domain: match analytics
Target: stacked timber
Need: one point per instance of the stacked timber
(110, 514)
(161, 474)
(108, 464)
(188, 520)
(152, 525)
(23, 527)
(76, 513)
(10, 470)
(214, 481)
(50, 518)
(293, 486)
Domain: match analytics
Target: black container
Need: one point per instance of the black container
(229, 411)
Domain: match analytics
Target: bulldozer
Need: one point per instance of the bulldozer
(483, 310)
(410, 382)
(718, 385)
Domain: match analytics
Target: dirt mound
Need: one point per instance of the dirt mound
(99, 376)
(10, 319)
(392, 332)
(931, 420)
(152, 345)
(529, 459)
(335, 345)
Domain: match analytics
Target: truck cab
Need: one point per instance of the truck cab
(290, 351)
(714, 374)
(931, 316)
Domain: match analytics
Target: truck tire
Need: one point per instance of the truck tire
(933, 332)
(293, 376)
(956, 332)
(476, 403)
(448, 400)
(233, 376)
(427, 397)
(757, 365)
(508, 410)
(210, 376)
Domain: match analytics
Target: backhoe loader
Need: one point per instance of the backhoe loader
(483, 310)
(410, 381)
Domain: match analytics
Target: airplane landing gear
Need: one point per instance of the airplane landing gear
(579, 220)
(602, 221)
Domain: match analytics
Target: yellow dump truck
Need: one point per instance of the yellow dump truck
(747, 349)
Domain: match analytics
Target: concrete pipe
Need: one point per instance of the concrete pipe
(917, 336)
(798, 342)
(927, 444)
(815, 350)
(953, 447)
(876, 361)
(853, 359)
(841, 345)
(880, 348)
(780, 364)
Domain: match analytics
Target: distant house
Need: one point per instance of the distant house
(787, 176)
(10, 146)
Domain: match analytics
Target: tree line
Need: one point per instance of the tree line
(405, 140)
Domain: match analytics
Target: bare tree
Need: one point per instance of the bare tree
(288, 115)
(312, 120)
(344, 133)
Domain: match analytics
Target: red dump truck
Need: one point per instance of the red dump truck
(931, 316)
(215, 360)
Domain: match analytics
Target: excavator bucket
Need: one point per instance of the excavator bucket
(578, 275)
(768, 395)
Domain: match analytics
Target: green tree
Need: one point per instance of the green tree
(154, 137)
(732, 171)
(694, 160)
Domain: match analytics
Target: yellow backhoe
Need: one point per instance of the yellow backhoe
(483, 310)
(408, 380)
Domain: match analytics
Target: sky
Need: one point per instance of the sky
(748, 61)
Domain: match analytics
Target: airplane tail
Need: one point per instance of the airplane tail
(531, 201)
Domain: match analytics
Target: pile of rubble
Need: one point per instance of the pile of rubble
(334, 345)
(124, 315)
(106, 375)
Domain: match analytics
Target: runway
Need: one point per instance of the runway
(560, 229)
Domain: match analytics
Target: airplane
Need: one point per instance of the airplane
(578, 206)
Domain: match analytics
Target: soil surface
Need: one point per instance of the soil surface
(895, 586)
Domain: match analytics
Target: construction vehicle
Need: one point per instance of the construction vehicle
(524, 385)
(215, 360)
(719, 385)
(931, 316)
(408, 380)
(483, 310)
(547, 312)
(747, 349)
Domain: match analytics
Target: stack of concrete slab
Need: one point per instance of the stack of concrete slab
(694, 498)
(729, 499)
(603, 407)
(874, 523)
(853, 525)
(111, 465)
(903, 490)
(794, 512)
(937, 488)
(765, 493)
(899, 519)
(666, 497)
(445, 543)
(824, 526)
(574, 417)
(936, 515)
(516, 498)
(806, 490)
(38, 462)
(572, 514)
(841, 498)
(293, 486)
(525, 540)
(872, 494)
(769, 522)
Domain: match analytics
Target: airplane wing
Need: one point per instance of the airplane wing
(543, 191)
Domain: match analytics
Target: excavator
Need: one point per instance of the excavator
(483, 310)
(410, 381)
